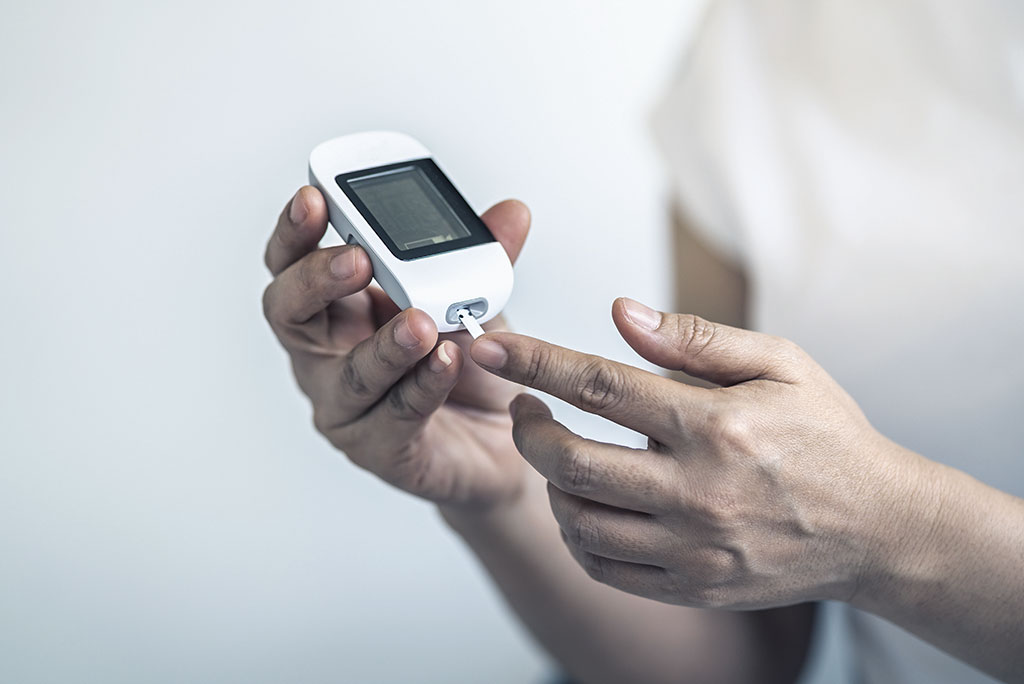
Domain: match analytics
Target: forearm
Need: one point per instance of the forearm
(953, 571)
(600, 634)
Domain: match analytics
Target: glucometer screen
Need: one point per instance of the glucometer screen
(413, 208)
(409, 207)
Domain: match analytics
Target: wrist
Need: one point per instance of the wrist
(480, 523)
(904, 553)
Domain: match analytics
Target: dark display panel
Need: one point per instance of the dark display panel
(414, 208)
(409, 208)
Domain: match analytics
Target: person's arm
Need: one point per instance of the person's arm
(405, 403)
(953, 566)
(599, 634)
(949, 567)
(771, 489)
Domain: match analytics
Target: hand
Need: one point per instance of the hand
(386, 389)
(759, 493)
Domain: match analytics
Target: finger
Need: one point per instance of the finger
(308, 286)
(300, 226)
(368, 372)
(393, 422)
(712, 351)
(382, 306)
(607, 531)
(643, 401)
(635, 578)
(509, 222)
(611, 474)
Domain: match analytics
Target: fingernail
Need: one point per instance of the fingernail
(489, 354)
(641, 315)
(441, 360)
(298, 211)
(404, 335)
(343, 265)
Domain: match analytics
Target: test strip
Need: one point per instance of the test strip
(467, 319)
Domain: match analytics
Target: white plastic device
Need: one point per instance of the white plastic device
(428, 247)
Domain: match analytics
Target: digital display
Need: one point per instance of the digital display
(408, 207)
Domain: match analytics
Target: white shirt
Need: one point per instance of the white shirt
(865, 162)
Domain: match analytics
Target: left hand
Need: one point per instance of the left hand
(770, 490)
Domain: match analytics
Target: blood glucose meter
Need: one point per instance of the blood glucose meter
(428, 248)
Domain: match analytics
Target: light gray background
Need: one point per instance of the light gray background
(167, 513)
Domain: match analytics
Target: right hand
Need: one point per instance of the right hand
(396, 397)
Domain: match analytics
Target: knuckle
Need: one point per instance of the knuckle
(718, 564)
(680, 419)
(353, 380)
(694, 333)
(536, 366)
(306, 275)
(397, 403)
(576, 473)
(383, 349)
(791, 353)
(598, 385)
(789, 347)
(584, 531)
(732, 429)
(401, 406)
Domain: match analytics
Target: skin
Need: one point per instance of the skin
(765, 491)
(769, 490)
(430, 421)
(385, 387)
(738, 501)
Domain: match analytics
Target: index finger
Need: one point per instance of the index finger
(632, 397)
(633, 479)
(299, 228)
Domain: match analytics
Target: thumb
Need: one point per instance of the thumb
(711, 351)
(509, 222)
